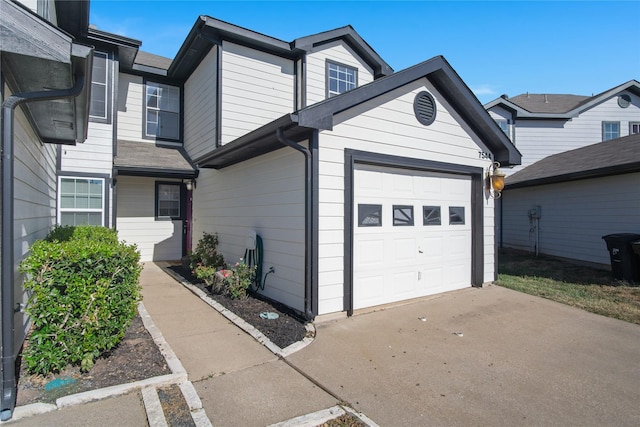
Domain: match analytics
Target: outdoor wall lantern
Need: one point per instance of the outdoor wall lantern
(190, 184)
(494, 181)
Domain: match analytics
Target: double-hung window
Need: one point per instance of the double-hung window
(169, 200)
(99, 107)
(81, 201)
(610, 130)
(162, 111)
(340, 78)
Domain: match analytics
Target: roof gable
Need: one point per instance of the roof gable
(207, 31)
(617, 156)
(555, 106)
(320, 116)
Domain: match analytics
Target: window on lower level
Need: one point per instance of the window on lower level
(369, 215)
(162, 111)
(340, 78)
(402, 215)
(169, 200)
(634, 128)
(610, 130)
(456, 215)
(81, 201)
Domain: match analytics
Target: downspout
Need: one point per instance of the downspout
(8, 397)
(308, 224)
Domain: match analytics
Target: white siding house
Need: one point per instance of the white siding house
(580, 196)
(541, 125)
(35, 120)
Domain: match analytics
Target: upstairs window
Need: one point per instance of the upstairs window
(504, 125)
(610, 130)
(99, 109)
(340, 78)
(162, 111)
(634, 128)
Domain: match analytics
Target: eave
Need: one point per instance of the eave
(35, 66)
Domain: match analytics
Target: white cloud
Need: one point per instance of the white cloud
(483, 89)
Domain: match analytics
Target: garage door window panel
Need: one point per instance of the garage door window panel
(369, 215)
(456, 215)
(402, 215)
(431, 215)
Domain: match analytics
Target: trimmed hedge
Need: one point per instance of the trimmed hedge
(84, 292)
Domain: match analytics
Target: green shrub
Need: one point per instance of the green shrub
(237, 283)
(84, 291)
(206, 253)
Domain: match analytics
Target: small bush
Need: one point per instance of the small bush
(84, 291)
(237, 283)
(206, 253)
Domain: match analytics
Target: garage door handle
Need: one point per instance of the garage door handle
(420, 251)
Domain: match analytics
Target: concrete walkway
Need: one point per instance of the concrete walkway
(486, 356)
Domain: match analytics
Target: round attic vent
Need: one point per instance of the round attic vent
(624, 101)
(424, 106)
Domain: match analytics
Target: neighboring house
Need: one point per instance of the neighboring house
(544, 124)
(366, 186)
(564, 204)
(45, 78)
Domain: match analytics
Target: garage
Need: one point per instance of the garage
(412, 234)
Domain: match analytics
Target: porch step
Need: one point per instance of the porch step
(174, 405)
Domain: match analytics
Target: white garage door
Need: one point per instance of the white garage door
(412, 234)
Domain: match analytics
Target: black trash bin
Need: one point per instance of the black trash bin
(625, 265)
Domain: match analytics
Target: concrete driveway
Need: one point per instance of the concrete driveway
(520, 360)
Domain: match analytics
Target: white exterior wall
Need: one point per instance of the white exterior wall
(337, 51)
(130, 107)
(388, 128)
(574, 216)
(257, 88)
(264, 194)
(34, 198)
(200, 106)
(537, 139)
(156, 240)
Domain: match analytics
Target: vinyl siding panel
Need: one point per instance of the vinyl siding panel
(156, 240)
(257, 88)
(34, 198)
(200, 106)
(339, 52)
(130, 107)
(264, 194)
(387, 126)
(574, 216)
(537, 139)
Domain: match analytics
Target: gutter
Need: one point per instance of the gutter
(308, 223)
(8, 396)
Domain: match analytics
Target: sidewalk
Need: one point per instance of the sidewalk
(226, 376)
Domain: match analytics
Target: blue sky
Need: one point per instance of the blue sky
(512, 47)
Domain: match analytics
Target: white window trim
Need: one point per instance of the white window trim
(60, 210)
(609, 122)
(331, 93)
(631, 125)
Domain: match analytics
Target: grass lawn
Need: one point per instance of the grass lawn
(587, 288)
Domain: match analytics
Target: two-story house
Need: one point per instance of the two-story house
(579, 179)
(544, 124)
(367, 186)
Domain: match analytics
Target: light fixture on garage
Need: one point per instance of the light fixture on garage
(494, 180)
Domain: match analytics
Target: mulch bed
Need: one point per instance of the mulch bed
(287, 329)
(136, 358)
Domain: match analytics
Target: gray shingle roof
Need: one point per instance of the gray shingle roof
(147, 158)
(551, 103)
(151, 60)
(621, 155)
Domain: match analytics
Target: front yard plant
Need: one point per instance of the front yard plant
(84, 291)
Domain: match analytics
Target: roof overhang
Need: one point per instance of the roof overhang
(320, 116)
(36, 65)
(151, 160)
(127, 47)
